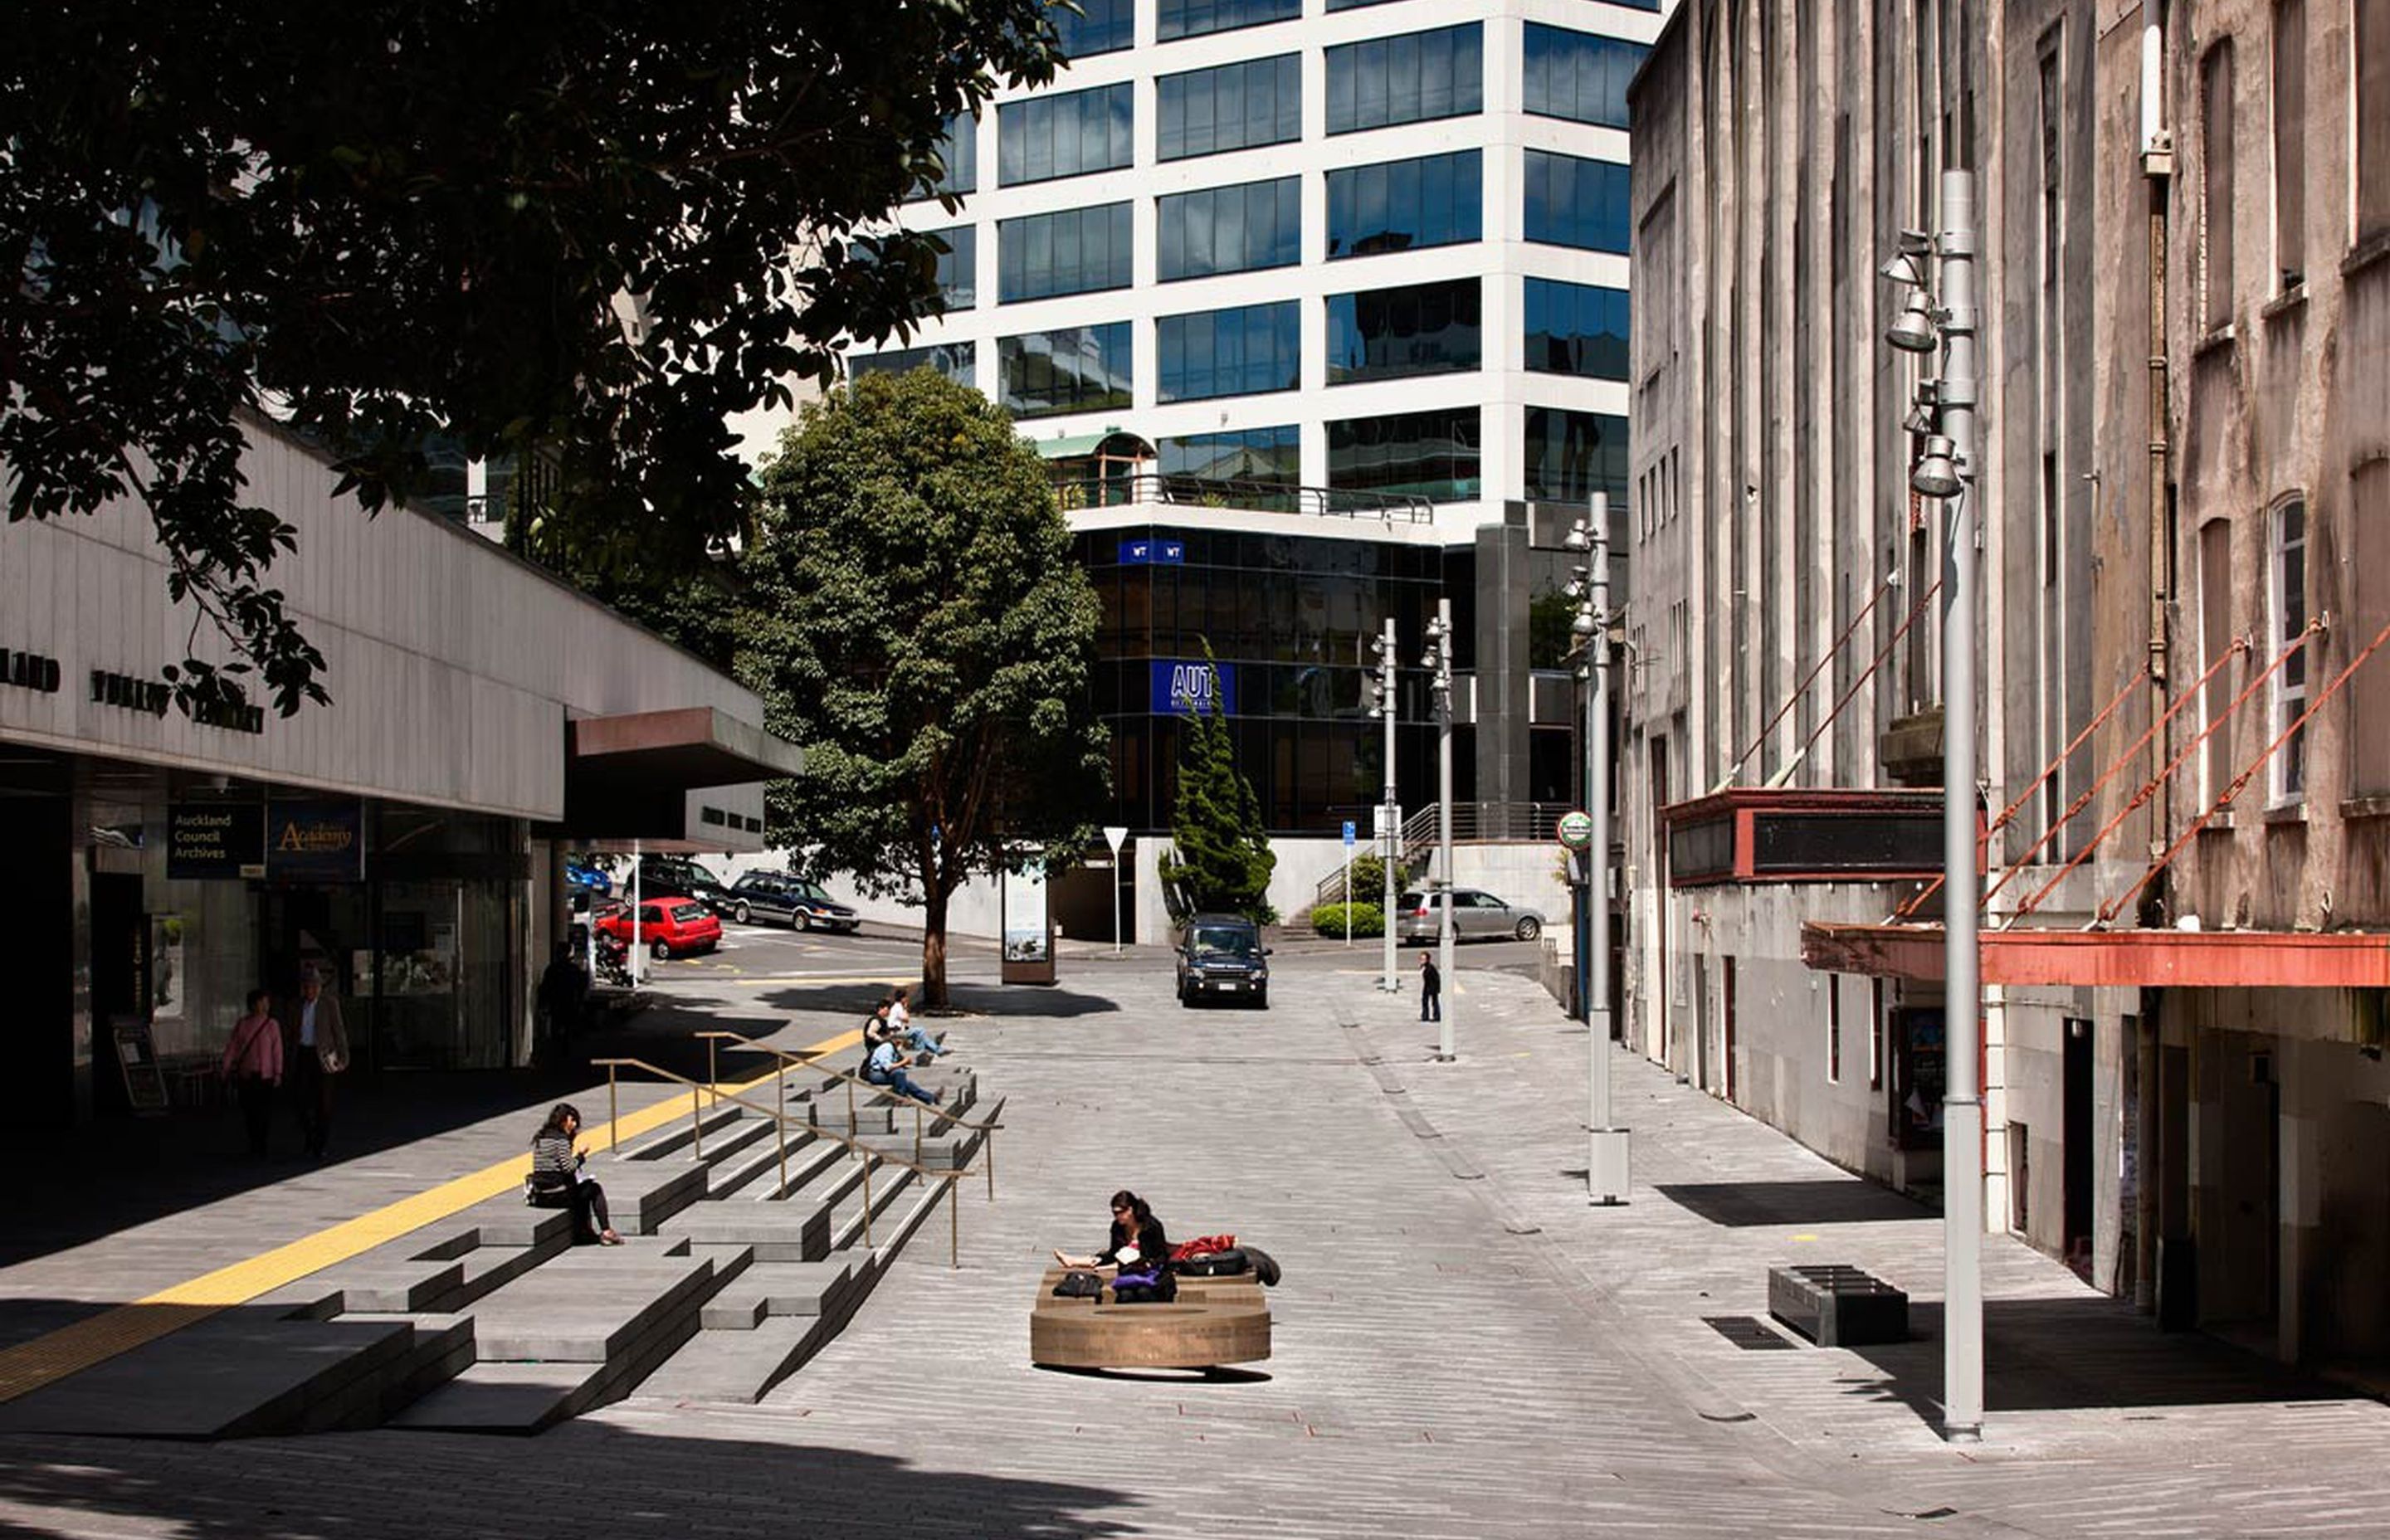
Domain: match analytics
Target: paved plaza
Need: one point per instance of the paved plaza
(1463, 1347)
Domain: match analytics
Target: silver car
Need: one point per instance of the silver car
(1476, 916)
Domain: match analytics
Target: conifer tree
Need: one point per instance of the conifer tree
(1220, 860)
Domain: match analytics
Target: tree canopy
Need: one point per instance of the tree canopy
(1220, 858)
(585, 233)
(916, 624)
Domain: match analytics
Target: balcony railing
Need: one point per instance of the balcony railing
(1078, 492)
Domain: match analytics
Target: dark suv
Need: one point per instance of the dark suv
(1220, 957)
(677, 876)
(785, 900)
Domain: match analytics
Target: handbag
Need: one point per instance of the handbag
(1149, 1284)
(1079, 1286)
(1225, 1263)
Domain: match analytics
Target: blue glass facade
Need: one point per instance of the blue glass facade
(1071, 134)
(1573, 201)
(1571, 455)
(1233, 107)
(1193, 17)
(958, 269)
(1237, 229)
(959, 149)
(1248, 350)
(1576, 328)
(1097, 27)
(1069, 251)
(954, 360)
(1390, 333)
(1068, 369)
(1579, 76)
(1268, 454)
(1433, 455)
(1403, 205)
(1384, 80)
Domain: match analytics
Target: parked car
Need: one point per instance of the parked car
(1220, 956)
(581, 874)
(779, 899)
(667, 927)
(671, 876)
(1476, 916)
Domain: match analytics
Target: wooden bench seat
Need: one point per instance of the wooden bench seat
(1212, 1322)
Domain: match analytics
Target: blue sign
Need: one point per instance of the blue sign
(1151, 553)
(1184, 689)
(314, 841)
(1348, 832)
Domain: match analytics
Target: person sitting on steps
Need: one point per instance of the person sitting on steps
(886, 1067)
(559, 1181)
(907, 1036)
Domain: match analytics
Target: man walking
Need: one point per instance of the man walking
(1430, 989)
(315, 1048)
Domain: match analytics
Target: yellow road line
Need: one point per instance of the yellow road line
(53, 1356)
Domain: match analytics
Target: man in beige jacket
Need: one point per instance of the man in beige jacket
(315, 1050)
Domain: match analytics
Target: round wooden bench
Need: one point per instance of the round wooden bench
(1212, 1322)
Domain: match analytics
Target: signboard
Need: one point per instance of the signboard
(1152, 553)
(215, 841)
(1186, 688)
(1920, 1077)
(1576, 830)
(1348, 834)
(1113, 836)
(144, 1088)
(316, 840)
(1028, 933)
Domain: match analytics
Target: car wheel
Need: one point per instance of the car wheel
(803, 921)
(1261, 998)
(1530, 928)
(740, 913)
(660, 951)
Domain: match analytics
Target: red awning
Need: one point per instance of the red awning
(2114, 959)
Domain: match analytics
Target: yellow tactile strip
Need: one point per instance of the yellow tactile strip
(70, 1349)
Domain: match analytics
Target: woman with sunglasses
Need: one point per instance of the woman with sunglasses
(1137, 1239)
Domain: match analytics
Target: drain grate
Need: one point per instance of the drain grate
(1748, 1333)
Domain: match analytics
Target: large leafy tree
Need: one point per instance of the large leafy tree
(1220, 860)
(580, 234)
(917, 624)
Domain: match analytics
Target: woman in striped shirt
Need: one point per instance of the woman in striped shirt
(556, 1178)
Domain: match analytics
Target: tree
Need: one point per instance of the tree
(1219, 859)
(579, 235)
(917, 624)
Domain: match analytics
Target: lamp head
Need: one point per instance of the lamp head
(1936, 473)
(1914, 329)
(1583, 625)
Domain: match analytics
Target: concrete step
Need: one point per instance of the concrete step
(889, 1241)
(790, 1229)
(739, 1366)
(677, 1135)
(772, 1288)
(888, 1187)
(591, 1304)
(819, 1155)
(503, 1398)
(758, 1161)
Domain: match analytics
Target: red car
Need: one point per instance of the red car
(668, 927)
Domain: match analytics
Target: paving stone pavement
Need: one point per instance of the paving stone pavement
(1463, 1347)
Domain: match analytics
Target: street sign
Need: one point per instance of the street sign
(1348, 833)
(1576, 830)
(1114, 835)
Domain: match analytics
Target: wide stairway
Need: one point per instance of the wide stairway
(749, 1241)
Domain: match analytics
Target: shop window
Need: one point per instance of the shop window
(1406, 205)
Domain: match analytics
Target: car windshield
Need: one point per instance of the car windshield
(810, 892)
(687, 912)
(1231, 939)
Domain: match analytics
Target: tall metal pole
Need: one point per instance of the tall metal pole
(1391, 848)
(1962, 1106)
(1605, 1166)
(1440, 658)
(638, 967)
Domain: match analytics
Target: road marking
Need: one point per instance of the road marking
(54, 1356)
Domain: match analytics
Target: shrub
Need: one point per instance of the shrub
(1368, 919)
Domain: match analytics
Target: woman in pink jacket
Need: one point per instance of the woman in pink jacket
(253, 1067)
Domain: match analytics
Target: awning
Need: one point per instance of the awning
(1077, 447)
(2114, 959)
(629, 776)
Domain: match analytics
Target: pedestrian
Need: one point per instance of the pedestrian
(314, 1050)
(557, 1178)
(905, 1035)
(563, 991)
(253, 1067)
(1430, 989)
(885, 1067)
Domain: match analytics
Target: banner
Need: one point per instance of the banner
(215, 841)
(316, 840)
(1183, 689)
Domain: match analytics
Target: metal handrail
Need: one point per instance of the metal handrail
(953, 1176)
(1099, 491)
(809, 1062)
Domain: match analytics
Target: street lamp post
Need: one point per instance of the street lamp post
(1606, 1149)
(1389, 811)
(1438, 662)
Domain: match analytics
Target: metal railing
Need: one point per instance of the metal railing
(1076, 493)
(810, 1062)
(1482, 823)
(698, 1095)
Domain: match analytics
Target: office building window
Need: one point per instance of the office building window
(1070, 134)
(1403, 205)
(1069, 251)
(2216, 637)
(1070, 369)
(959, 268)
(2288, 572)
(958, 152)
(1272, 455)
(1407, 79)
(2290, 143)
(1428, 454)
(2369, 108)
(1234, 107)
(2369, 603)
(1236, 229)
(1576, 202)
(1353, 5)
(1194, 18)
(2215, 180)
(1097, 27)
(1576, 328)
(952, 359)
(1571, 455)
(1387, 333)
(1246, 351)
(1579, 76)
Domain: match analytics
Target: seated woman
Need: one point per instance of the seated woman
(557, 1181)
(1138, 1243)
(885, 1067)
(905, 1033)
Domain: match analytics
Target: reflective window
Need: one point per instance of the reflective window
(1234, 107)
(1273, 455)
(958, 269)
(1069, 251)
(959, 148)
(1098, 27)
(952, 359)
(1403, 205)
(1194, 18)
(1246, 351)
(1576, 202)
(1070, 369)
(1571, 455)
(1405, 79)
(1234, 229)
(1431, 454)
(1576, 328)
(1387, 333)
(1579, 76)
(1068, 134)
(1352, 5)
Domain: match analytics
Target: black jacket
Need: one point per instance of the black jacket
(1430, 979)
(1152, 1247)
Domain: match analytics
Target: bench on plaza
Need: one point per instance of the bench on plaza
(1837, 1305)
(1213, 1322)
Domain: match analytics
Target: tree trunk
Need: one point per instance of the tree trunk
(934, 948)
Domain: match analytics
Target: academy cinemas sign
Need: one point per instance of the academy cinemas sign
(29, 670)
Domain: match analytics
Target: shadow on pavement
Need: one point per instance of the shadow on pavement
(969, 1000)
(614, 1480)
(1831, 1201)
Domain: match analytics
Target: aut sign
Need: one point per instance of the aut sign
(1185, 688)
